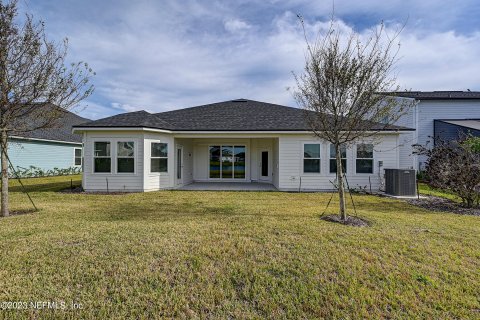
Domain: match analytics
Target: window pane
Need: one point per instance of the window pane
(159, 165)
(125, 149)
(311, 150)
(125, 165)
(311, 165)
(343, 151)
(215, 162)
(239, 160)
(159, 149)
(365, 151)
(78, 153)
(364, 166)
(227, 162)
(179, 163)
(333, 165)
(265, 163)
(78, 161)
(102, 164)
(102, 149)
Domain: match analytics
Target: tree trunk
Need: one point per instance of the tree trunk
(341, 188)
(4, 163)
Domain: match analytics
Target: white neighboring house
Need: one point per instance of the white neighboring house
(232, 141)
(431, 117)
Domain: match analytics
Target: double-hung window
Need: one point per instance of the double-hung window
(102, 161)
(77, 157)
(333, 158)
(364, 161)
(311, 158)
(159, 157)
(126, 157)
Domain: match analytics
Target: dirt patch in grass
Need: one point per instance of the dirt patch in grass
(20, 212)
(444, 205)
(350, 221)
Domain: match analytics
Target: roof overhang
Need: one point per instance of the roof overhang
(83, 129)
(192, 133)
(44, 140)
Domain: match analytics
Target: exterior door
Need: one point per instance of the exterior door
(264, 166)
(179, 165)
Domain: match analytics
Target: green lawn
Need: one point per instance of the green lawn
(234, 255)
(425, 189)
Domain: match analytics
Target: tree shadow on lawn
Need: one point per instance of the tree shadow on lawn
(127, 208)
(43, 187)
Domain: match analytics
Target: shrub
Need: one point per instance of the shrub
(35, 172)
(455, 166)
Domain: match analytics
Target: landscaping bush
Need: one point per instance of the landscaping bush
(455, 166)
(35, 172)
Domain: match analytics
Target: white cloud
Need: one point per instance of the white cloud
(440, 61)
(236, 25)
(159, 57)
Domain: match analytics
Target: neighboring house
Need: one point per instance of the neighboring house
(49, 148)
(442, 114)
(453, 129)
(232, 141)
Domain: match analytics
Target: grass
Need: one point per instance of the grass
(425, 189)
(240, 255)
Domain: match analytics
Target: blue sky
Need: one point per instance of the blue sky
(164, 55)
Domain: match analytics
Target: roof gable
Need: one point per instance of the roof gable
(232, 115)
(62, 131)
(236, 115)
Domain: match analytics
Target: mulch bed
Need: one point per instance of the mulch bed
(350, 221)
(74, 190)
(443, 205)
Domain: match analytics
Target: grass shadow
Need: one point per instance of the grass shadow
(41, 185)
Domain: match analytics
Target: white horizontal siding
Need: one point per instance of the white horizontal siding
(407, 139)
(257, 146)
(275, 164)
(430, 110)
(291, 163)
(41, 154)
(127, 182)
(159, 180)
(187, 160)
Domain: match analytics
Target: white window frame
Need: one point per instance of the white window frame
(94, 157)
(303, 158)
(335, 158)
(152, 157)
(134, 157)
(75, 156)
(372, 158)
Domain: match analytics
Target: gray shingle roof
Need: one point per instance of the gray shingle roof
(439, 95)
(62, 131)
(233, 115)
(130, 119)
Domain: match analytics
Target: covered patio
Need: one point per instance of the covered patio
(228, 186)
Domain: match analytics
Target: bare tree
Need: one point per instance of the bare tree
(36, 83)
(341, 85)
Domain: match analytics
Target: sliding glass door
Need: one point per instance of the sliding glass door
(227, 162)
(239, 162)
